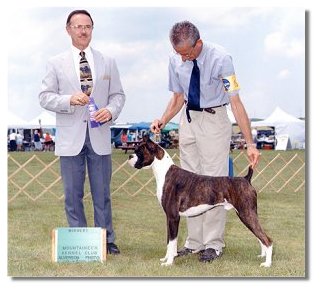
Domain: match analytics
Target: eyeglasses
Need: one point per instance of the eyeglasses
(82, 27)
(187, 55)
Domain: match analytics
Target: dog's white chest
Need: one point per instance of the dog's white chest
(160, 168)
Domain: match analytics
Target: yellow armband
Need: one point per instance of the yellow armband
(230, 83)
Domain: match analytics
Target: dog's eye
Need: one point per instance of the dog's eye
(137, 150)
(139, 153)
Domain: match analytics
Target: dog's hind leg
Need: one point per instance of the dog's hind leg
(263, 250)
(172, 231)
(266, 252)
(251, 221)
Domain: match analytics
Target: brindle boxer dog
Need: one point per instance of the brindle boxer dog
(183, 193)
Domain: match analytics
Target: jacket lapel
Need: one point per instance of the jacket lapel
(99, 65)
(69, 69)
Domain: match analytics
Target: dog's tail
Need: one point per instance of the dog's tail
(249, 174)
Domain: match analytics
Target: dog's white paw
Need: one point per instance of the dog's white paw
(167, 263)
(266, 264)
(267, 252)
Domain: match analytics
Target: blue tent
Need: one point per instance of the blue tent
(140, 126)
(170, 126)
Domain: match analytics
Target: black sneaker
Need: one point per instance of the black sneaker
(184, 252)
(209, 255)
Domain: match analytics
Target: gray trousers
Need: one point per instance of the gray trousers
(73, 172)
(204, 149)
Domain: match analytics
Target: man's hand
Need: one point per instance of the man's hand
(157, 126)
(79, 99)
(103, 115)
(253, 155)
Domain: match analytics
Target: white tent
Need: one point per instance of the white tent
(15, 122)
(230, 114)
(45, 119)
(120, 126)
(285, 124)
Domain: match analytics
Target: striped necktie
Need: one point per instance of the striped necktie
(86, 80)
(86, 83)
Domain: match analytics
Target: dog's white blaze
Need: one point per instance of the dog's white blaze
(170, 253)
(132, 161)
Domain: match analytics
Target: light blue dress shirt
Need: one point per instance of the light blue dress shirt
(215, 65)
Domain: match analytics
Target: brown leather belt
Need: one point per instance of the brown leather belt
(210, 110)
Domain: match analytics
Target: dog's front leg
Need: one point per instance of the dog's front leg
(170, 253)
(172, 230)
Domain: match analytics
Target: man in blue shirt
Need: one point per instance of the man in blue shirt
(205, 129)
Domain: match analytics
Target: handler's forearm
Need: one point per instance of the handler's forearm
(173, 107)
(243, 121)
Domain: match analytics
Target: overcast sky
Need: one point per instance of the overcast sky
(267, 46)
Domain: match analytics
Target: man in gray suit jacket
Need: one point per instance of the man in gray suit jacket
(77, 142)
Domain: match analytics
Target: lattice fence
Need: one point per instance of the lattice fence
(37, 176)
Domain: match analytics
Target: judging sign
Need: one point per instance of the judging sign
(78, 244)
(282, 142)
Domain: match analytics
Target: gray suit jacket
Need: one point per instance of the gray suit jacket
(60, 82)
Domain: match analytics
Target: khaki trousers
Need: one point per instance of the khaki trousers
(204, 149)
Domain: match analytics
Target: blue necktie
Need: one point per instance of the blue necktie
(193, 102)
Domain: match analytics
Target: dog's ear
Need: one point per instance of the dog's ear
(149, 143)
(155, 149)
(146, 137)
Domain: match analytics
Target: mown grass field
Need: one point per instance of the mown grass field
(140, 228)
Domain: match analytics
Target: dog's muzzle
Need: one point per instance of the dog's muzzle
(132, 160)
(137, 163)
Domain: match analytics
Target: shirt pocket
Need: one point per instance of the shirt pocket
(211, 88)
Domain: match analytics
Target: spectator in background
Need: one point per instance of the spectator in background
(13, 140)
(124, 137)
(48, 141)
(36, 141)
(19, 141)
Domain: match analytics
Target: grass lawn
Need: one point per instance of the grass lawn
(140, 227)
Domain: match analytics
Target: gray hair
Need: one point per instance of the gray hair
(184, 31)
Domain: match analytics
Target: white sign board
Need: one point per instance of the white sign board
(79, 244)
(282, 142)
